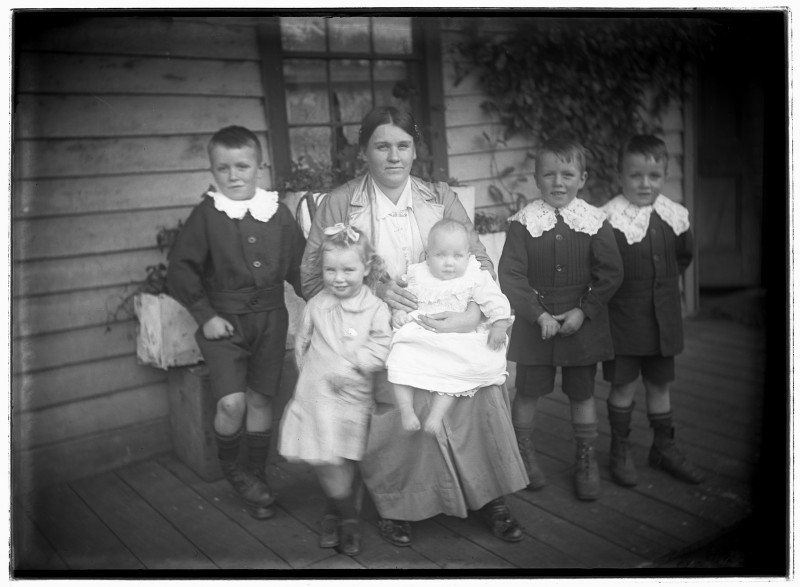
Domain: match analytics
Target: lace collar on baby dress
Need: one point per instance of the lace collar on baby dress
(262, 206)
(539, 217)
(632, 220)
(433, 289)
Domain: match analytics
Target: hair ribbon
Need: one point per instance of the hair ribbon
(340, 228)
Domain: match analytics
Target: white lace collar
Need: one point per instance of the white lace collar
(632, 220)
(539, 217)
(262, 206)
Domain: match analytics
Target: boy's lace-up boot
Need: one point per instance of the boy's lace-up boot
(623, 469)
(254, 493)
(587, 474)
(527, 451)
(258, 444)
(665, 455)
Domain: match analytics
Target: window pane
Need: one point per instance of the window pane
(392, 35)
(351, 92)
(303, 33)
(392, 86)
(349, 34)
(311, 146)
(306, 91)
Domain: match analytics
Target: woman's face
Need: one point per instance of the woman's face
(390, 153)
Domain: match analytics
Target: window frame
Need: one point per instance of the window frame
(426, 54)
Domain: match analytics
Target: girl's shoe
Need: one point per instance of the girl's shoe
(329, 535)
(350, 543)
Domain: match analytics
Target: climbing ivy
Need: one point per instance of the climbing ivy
(599, 79)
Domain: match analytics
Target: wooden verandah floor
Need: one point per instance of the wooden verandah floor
(159, 517)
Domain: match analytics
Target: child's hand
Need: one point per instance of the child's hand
(497, 335)
(216, 328)
(571, 321)
(400, 318)
(549, 325)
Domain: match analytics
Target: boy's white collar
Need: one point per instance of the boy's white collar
(262, 206)
(539, 217)
(632, 220)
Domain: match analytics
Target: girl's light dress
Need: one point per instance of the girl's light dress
(338, 347)
(450, 363)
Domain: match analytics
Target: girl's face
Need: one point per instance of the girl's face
(448, 253)
(558, 180)
(390, 153)
(642, 178)
(236, 171)
(343, 272)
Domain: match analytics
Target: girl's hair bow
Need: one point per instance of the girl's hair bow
(340, 228)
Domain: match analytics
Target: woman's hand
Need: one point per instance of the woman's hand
(396, 296)
(400, 318)
(216, 328)
(465, 321)
(571, 321)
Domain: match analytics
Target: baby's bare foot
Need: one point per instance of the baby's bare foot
(433, 425)
(410, 421)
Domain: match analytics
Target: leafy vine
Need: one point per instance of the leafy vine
(599, 79)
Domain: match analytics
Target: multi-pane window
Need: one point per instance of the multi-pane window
(334, 70)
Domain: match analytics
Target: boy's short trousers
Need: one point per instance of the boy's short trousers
(626, 368)
(251, 358)
(538, 380)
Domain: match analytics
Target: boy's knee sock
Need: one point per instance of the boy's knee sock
(228, 446)
(258, 447)
(662, 428)
(584, 431)
(620, 419)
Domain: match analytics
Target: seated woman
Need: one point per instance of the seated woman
(473, 461)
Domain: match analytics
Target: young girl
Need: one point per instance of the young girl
(343, 338)
(455, 364)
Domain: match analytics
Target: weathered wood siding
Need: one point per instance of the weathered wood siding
(470, 154)
(112, 117)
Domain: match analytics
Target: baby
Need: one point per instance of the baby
(447, 364)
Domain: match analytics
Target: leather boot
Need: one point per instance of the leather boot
(587, 474)
(256, 496)
(665, 455)
(623, 470)
(527, 451)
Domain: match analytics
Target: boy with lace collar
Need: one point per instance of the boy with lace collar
(559, 267)
(656, 246)
(227, 268)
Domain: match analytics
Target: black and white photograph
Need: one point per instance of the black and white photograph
(501, 293)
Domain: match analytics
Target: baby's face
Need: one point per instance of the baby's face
(236, 171)
(642, 178)
(448, 254)
(558, 180)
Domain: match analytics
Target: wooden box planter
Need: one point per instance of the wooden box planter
(494, 242)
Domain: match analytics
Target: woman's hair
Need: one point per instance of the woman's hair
(349, 238)
(648, 145)
(447, 225)
(236, 137)
(565, 148)
(386, 115)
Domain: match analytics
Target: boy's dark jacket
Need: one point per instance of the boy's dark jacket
(567, 269)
